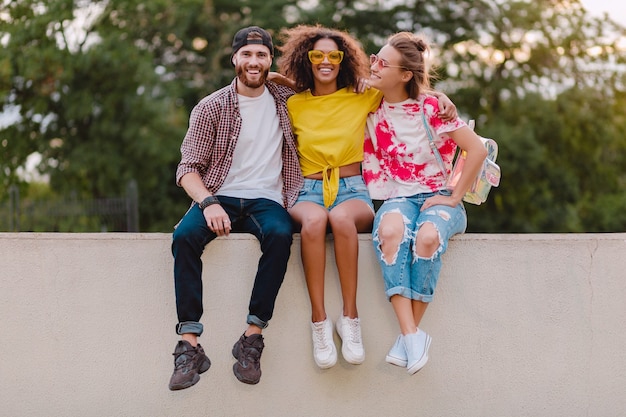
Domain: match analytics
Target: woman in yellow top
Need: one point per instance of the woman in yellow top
(328, 119)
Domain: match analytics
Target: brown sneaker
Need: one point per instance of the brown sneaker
(247, 351)
(189, 363)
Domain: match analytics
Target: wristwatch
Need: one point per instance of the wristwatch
(208, 201)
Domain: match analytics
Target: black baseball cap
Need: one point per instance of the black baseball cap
(245, 37)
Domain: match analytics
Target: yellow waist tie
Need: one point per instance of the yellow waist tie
(330, 184)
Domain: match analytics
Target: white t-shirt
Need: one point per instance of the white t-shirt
(257, 162)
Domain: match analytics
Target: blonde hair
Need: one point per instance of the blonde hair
(414, 50)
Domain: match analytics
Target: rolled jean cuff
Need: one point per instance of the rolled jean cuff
(189, 327)
(256, 321)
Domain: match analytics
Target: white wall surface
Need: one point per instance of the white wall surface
(522, 325)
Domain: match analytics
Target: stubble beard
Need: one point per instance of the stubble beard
(243, 77)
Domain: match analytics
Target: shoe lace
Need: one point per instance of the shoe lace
(182, 359)
(251, 354)
(354, 328)
(319, 335)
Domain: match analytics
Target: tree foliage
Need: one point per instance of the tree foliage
(103, 89)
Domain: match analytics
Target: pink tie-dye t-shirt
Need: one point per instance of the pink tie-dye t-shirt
(398, 160)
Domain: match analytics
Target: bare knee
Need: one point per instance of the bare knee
(390, 233)
(313, 221)
(314, 225)
(341, 223)
(427, 240)
(351, 217)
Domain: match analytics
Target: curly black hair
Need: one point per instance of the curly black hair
(298, 41)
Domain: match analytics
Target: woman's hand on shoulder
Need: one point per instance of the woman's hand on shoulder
(280, 79)
(362, 86)
(447, 109)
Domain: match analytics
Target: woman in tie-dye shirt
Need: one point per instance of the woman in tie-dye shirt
(419, 215)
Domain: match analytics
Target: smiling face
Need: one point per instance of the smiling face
(252, 64)
(325, 74)
(387, 73)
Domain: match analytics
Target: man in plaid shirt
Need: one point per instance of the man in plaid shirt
(240, 166)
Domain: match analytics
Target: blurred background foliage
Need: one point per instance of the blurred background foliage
(101, 92)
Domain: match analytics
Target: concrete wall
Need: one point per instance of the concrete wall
(522, 325)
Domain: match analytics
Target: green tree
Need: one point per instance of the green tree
(109, 102)
(565, 166)
(89, 103)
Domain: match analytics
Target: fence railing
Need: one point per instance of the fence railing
(71, 214)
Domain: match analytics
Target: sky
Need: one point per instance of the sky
(615, 8)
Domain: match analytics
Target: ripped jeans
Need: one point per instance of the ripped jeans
(407, 274)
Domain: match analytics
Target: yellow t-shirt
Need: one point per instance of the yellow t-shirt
(329, 132)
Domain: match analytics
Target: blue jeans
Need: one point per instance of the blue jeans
(350, 188)
(265, 219)
(409, 275)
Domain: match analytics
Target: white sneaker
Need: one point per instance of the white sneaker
(416, 345)
(397, 353)
(324, 350)
(349, 331)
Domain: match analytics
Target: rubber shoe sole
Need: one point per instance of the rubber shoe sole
(422, 361)
(196, 378)
(397, 354)
(242, 378)
(394, 360)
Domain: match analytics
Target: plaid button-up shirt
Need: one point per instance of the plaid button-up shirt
(214, 127)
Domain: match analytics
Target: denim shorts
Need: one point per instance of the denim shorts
(350, 188)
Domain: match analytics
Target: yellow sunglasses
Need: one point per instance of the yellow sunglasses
(317, 57)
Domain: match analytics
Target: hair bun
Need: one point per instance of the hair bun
(420, 45)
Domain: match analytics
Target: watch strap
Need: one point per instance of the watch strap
(208, 201)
